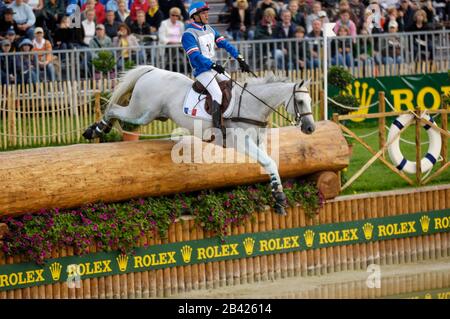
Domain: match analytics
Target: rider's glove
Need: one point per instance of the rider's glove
(218, 68)
(243, 65)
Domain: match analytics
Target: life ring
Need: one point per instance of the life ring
(395, 154)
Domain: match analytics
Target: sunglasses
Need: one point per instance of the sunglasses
(175, 15)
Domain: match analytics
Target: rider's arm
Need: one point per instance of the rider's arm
(221, 42)
(197, 59)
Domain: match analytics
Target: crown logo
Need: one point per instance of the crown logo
(368, 231)
(364, 95)
(309, 238)
(55, 270)
(249, 244)
(425, 223)
(122, 261)
(186, 252)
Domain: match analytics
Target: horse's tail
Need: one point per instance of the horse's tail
(120, 96)
(127, 82)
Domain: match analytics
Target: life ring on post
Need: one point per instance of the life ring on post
(395, 154)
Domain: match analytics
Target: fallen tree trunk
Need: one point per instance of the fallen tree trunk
(71, 176)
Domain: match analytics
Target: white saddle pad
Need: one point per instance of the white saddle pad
(194, 106)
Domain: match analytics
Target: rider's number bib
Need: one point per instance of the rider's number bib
(206, 43)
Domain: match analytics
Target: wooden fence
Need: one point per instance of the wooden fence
(176, 280)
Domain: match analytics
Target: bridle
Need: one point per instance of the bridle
(298, 115)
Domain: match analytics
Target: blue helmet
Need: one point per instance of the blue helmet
(197, 7)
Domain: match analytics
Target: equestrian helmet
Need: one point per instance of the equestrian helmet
(198, 7)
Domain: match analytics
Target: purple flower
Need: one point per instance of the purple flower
(210, 218)
(141, 201)
(94, 227)
(27, 217)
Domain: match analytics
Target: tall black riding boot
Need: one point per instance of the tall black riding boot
(216, 115)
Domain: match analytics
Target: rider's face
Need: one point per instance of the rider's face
(203, 16)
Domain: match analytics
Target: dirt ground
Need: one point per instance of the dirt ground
(394, 280)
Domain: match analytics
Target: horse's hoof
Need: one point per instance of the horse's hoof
(90, 133)
(279, 209)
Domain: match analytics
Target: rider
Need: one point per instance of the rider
(198, 41)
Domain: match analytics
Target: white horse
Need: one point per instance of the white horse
(160, 94)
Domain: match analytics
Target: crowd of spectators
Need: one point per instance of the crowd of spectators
(52, 25)
(49, 25)
(304, 19)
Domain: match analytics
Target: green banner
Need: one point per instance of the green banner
(403, 92)
(73, 268)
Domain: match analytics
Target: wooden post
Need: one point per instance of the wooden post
(381, 121)
(98, 112)
(418, 149)
(321, 106)
(444, 124)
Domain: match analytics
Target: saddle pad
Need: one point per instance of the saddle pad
(194, 106)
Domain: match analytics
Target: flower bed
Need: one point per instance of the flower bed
(121, 225)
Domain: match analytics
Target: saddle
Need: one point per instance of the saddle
(225, 87)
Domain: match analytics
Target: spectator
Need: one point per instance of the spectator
(111, 5)
(6, 64)
(7, 23)
(314, 45)
(141, 29)
(100, 40)
(345, 5)
(66, 37)
(341, 49)
(44, 60)
(284, 30)
(122, 13)
(240, 21)
(422, 44)
(345, 20)
(408, 14)
(2, 7)
(170, 32)
(358, 9)
(88, 26)
(138, 5)
(392, 15)
(154, 16)
(264, 31)
(38, 10)
(13, 38)
(316, 8)
(299, 50)
(53, 12)
(427, 6)
(297, 17)
(99, 9)
(363, 54)
(111, 25)
(166, 5)
(261, 8)
(25, 63)
(303, 8)
(391, 52)
(126, 41)
(24, 17)
(374, 18)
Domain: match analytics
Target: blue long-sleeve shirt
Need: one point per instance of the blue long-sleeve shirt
(198, 42)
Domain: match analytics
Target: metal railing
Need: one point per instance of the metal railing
(390, 52)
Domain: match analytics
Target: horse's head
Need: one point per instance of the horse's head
(299, 105)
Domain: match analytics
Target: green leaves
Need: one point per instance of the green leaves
(339, 77)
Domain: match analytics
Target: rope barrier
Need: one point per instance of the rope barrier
(352, 108)
(362, 136)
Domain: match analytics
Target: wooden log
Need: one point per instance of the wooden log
(327, 182)
(87, 169)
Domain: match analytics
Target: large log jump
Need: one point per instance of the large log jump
(71, 176)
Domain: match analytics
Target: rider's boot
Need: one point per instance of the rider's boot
(217, 118)
(280, 199)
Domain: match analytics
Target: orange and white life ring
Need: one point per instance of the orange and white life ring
(396, 155)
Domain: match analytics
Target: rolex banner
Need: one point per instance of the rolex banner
(74, 268)
(402, 92)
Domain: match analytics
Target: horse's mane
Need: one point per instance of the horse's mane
(269, 78)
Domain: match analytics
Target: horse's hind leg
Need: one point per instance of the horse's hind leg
(255, 152)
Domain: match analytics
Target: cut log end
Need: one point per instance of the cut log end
(328, 183)
(3, 230)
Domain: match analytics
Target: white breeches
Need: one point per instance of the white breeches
(211, 84)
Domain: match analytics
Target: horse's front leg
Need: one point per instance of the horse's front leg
(252, 150)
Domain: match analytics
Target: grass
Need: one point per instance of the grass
(378, 177)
